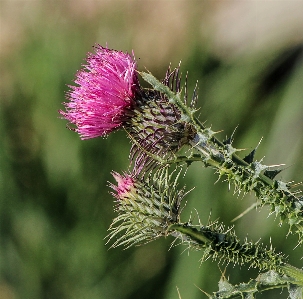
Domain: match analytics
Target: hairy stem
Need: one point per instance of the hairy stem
(225, 245)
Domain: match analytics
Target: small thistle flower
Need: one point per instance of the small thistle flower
(105, 96)
(146, 207)
(125, 187)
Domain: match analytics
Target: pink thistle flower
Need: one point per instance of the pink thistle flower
(146, 207)
(104, 99)
(126, 185)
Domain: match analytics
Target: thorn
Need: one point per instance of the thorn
(276, 165)
(194, 98)
(185, 90)
(216, 132)
(230, 140)
(179, 295)
(246, 211)
(259, 143)
(173, 78)
(208, 295)
(299, 244)
(227, 141)
(272, 173)
(250, 157)
(167, 75)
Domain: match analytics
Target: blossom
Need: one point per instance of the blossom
(103, 100)
(125, 185)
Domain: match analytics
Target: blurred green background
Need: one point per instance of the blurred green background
(55, 205)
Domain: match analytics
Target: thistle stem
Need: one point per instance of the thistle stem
(227, 246)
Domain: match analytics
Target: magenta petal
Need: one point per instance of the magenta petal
(125, 184)
(106, 90)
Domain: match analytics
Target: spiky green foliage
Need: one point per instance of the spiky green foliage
(150, 208)
(245, 174)
(259, 178)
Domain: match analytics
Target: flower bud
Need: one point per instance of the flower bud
(146, 207)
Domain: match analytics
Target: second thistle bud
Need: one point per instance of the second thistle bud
(146, 208)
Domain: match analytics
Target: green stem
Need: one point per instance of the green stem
(226, 245)
(197, 236)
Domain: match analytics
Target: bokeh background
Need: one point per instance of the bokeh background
(55, 206)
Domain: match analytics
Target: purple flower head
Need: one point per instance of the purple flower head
(104, 97)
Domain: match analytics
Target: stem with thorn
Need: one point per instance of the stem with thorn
(225, 245)
(246, 175)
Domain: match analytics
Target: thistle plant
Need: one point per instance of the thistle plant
(160, 120)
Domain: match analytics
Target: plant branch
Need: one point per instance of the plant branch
(226, 246)
(246, 174)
